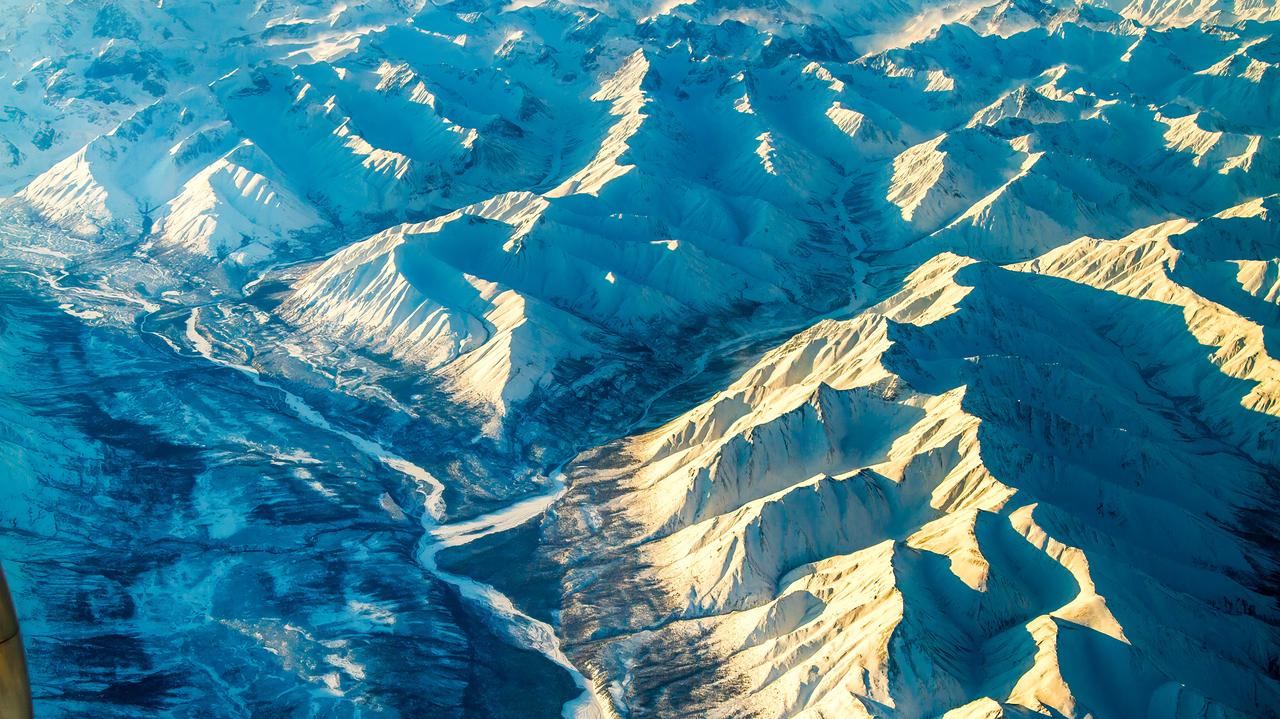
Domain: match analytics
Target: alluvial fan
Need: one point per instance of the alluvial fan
(642, 359)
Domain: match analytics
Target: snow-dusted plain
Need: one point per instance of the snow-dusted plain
(763, 359)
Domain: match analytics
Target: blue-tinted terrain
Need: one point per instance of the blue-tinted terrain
(596, 359)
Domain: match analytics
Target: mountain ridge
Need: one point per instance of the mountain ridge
(734, 358)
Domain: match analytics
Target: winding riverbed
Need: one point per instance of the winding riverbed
(154, 342)
(517, 625)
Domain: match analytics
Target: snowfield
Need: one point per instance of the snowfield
(769, 359)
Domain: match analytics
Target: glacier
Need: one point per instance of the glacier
(628, 359)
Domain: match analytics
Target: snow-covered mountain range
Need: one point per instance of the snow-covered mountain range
(642, 358)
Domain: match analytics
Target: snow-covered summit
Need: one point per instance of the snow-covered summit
(902, 359)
